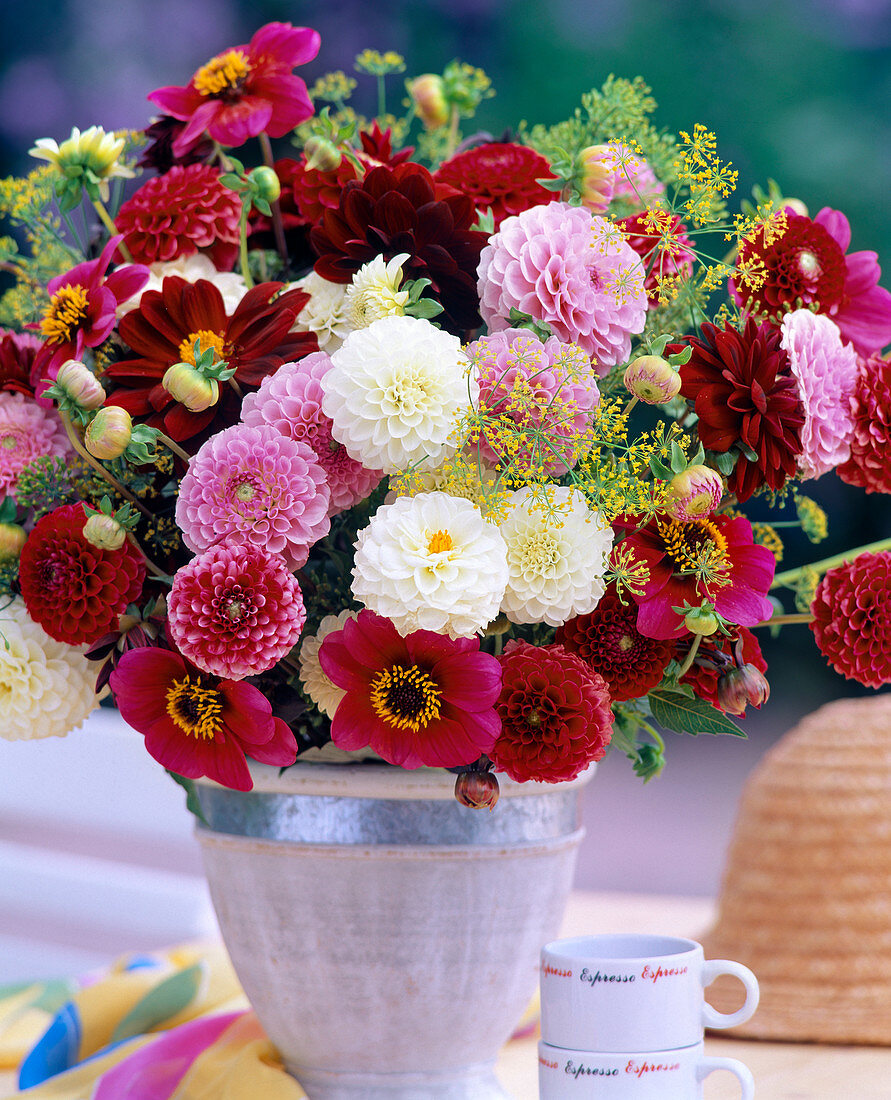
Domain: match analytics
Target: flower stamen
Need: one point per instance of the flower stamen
(205, 339)
(66, 313)
(222, 76)
(407, 698)
(195, 708)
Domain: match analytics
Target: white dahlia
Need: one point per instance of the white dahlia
(46, 687)
(397, 392)
(325, 313)
(316, 684)
(374, 291)
(557, 553)
(431, 562)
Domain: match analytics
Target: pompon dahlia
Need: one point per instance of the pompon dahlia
(27, 431)
(419, 700)
(555, 714)
(253, 485)
(186, 210)
(805, 265)
(291, 402)
(325, 694)
(73, 589)
(852, 618)
(499, 176)
(663, 246)
(744, 394)
(719, 661)
(573, 271)
(196, 725)
(826, 371)
(608, 640)
(17, 358)
(394, 210)
(234, 611)
(869, 465)
(47, 686)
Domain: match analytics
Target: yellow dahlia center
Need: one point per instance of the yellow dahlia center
(407, 698)
(625, 643)
(440, 541)
(66, 313)
(808, 265)
(226, 73)
(695, 546)
(8, 442)
(205, 339)
(196, 709)
(245, 492)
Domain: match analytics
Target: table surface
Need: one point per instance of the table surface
(782, 1071)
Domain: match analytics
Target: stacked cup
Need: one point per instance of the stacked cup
(623, 1016)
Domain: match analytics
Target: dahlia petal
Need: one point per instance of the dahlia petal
(176, 101)
(281, 748)
(284, 44)
(173, 748)
(866, 321)
(137, 679)
(236, 123)
(837, 225)
(353, 722)
(199, 120)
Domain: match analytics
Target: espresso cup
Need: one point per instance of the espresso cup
(657, 1075)
(633, 993)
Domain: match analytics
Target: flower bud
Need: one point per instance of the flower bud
(796, 206)
(108, 433)
(742, 686)
(267, 183)
(699, 621)
(190, 387)
(694, 493)
(652, 379)
(80, 384)
(321, 154)
(428, 95)
(477, 790)
(597, 176)
(12, 540)
(104, 532)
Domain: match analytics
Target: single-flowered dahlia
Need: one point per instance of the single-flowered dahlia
(27, 431)
(235, 610)
(608, 640)
(253, 485)
(535, 401)
(557, 552)
(664, 248)
(73, 589)
(710, 559)
(394, 210)
(573, 271)
(420, 700)
(186, 210)
(195, 724)
(745, 396)
(826, 372)
(499, 176)
(555, 714)
(869, 465)
(726, 668)
(397, 392)
(805, 265)
(325, 694)
(17, 357)
(852, 618)
(47, 687)
(191, 268)
(245, 91)
(254, 340)
(431, 562)
(326, 313)
(291, 402)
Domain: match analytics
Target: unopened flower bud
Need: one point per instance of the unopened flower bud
(267, 183)
(796, 206)
(80, 384)
(108, 433)
(322, 154)
(428, 95)
(477, 790)
(740, 687)
(652, 379)
(700, 621)
(104, 532)
(694, 493)
(597, 177)
(190, 387)
(12, 540)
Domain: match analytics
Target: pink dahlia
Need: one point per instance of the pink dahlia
(257, 486)
(868, 465)
(27, 431)
(498, 176)
(535, 396)
(235, 610)
(420, 700)
(826, 370)
(852, 618)
(196, 725)
(560, 265)
(187, 210)
(291, 402)
(245, 91)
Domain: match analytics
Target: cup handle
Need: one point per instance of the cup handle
(742, 1073)
(712, 969)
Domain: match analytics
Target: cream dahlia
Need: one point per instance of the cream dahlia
(325, 694)
(325, 313)
(374, 291)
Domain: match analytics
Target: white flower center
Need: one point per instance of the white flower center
(539, 553)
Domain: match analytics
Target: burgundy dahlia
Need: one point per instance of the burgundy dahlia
(18, 351)
(852, 618)
(870, 463)
(161, 135)
(500, 176)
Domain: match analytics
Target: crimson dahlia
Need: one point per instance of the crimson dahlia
(852, 618)
(499, 176)
(870, 463)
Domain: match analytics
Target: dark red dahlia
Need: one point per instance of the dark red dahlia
(73, 589)
(186, 210)
(161, 135)
(608, 640)
(718, 660)
(870, 463)
(669, 252)
(17, 356)
(555, 714)
(500, 176)
(255, 340)
(745, 396)
(852, 618)
(394, 210)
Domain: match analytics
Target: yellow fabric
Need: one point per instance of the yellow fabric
(21, 1024)
(78, 1083)
(102, 1005)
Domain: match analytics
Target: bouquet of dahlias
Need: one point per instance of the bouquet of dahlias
(435, 452)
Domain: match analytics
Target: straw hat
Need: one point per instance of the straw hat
(806, 896)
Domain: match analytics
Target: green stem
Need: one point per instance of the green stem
(278, 226)
(452, 142)
(175, 447)
(691, 656)
(381, 96)
(98, 467)
(243, 248)
(105, 218)
(786, 620)
(630, 406)
(791, 575)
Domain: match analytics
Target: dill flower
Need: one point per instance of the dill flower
(89, 160)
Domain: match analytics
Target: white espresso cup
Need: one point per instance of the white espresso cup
(657, 1075)
(633, 993)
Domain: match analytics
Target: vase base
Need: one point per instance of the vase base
(465, 1083)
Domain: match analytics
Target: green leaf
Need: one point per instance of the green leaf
(7, 510)
(685, 715)
(263, 206)
(160, 1004)
(659, 469)
(192, 803)
(424, 308)
(723, 461)
(678, 458)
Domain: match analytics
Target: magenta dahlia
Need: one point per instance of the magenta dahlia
(499, 176)
(27, 431)
(852, 618)
(869, 465)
